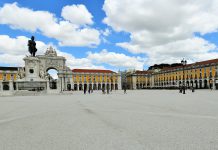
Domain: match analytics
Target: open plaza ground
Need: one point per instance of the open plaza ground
(138, 120)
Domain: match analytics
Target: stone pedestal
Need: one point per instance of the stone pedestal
(32, 69)
(32, 80)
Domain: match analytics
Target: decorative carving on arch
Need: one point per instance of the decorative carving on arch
(50, 60)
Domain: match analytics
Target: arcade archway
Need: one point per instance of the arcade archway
(52, 77)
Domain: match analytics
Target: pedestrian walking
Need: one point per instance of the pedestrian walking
(84, 90)
(103, 92)
(124, 88)
(108, 89)
(180, 89)
(193, 89)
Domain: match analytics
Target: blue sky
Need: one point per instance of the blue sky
(137, 35)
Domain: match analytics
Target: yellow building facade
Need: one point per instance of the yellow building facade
(77, 80)
(8, 75)
(200, 75)
(95, 79)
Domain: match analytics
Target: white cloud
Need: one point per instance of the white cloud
(12, 60)
(13, 50)
(77, 14)
(106, 32)
(116, 59)
(193, 49)
(84, 63)
(68, 33)
(165, 30)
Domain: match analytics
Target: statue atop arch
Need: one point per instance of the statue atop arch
(32, 46)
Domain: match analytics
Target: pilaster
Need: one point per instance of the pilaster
(11, 88)
(1, 86)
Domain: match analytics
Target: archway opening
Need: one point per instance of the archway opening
(99, 86)
(205, 84)
(80, 87)
(75, 87)
(196, 84)
(85, 87)
(53, 77)
(95, 86)
(6, 86)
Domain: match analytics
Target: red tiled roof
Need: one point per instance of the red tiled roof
(207, 62)
(193, 64)
(8, 68)
(177, 67)
(92, 71)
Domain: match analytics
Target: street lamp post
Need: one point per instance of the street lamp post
(111, 82)
(184, 62)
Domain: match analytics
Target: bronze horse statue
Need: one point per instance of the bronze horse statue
(32, 46)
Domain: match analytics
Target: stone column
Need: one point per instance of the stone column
(1, 86)
(77, 87)
(202, 83)
(189, 82)
(58, 85)
(119, 82)
(17, 87)
(48, 88)
(133, 82)
(208, 83)
(11, 87)
(71, 82)
(63, 84)
(214, 86)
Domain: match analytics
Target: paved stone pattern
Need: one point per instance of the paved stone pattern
(138, 120)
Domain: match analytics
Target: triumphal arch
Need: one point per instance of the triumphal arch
(34, 76)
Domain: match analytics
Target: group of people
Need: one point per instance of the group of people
(107, 91)
(181, 88)
(89, 90)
